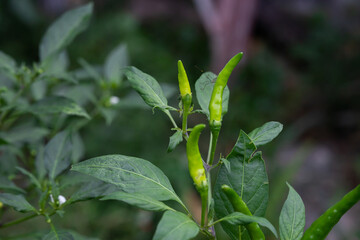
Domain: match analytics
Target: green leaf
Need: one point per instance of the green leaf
(57, 154)
(175, 225)
(55, 105)
(175, 140)
(140, 200)
(148, 88)
(7, 185)
(64, 30)
(130, 174)
(78, 148)
(116, 60)
(7, 64)
(204, 87)
(39, 163)
(247, 177)
(292, 217)
(18, 202)
(265, 133)
(58, 235)
(237, 218)
(92, 189)
(32, 178)
(26, 133)
(226, 164)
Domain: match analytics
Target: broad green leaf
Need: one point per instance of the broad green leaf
(247, 177)
(78, 148)
(148, 88)
(139, 200)
(64, 30)
(57, 154)
(39, 163)
(26, 133)
(130, 174)
(32, 178)
(92, 189)
(7, 64)
(18, 202)
(58, 235)
(54, 105)
(204, 87)
(265, 133)
(116, 60)
(237, 218)
(9, 186)
(176, 225)
(175, 140)
(292, 217)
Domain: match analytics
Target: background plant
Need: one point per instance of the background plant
(43, 108)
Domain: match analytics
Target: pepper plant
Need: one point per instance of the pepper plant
(239, 197)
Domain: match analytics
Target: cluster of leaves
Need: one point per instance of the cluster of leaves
(42, 109)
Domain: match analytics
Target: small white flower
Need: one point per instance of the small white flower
(61, 199)
(114, 100)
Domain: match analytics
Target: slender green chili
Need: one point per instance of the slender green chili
(321, 227)
(215, 105)
(240, 206)
(184, 85)
(196, 167)
(185, 92)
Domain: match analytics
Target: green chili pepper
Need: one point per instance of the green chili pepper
(184, 85)
(321, 227)
(196, 168)
(185, 92)
(240, 206)
(215, 106)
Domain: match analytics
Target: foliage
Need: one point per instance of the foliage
(44, 107)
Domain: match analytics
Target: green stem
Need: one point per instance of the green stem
(204, 203)
(184, 122)
(17, 221)
(215, 135)
(171, 118)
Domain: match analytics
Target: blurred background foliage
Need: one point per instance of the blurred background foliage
(301, 69)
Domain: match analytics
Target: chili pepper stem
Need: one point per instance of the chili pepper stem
(204, 202)
(214, 138)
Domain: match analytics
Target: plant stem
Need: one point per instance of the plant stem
(17, 221)
(215, 135)
(184, 122)
(171, 118)
(204, 203)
